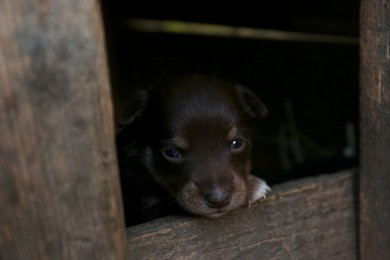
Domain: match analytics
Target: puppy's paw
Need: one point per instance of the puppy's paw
(257, 189)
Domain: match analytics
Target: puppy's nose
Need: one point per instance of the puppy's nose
(217, 198)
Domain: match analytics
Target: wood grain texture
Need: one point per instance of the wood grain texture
(375, 129)
(59, 187)
(307, 219)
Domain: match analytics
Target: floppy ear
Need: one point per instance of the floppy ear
(133, 110)
(251, 103)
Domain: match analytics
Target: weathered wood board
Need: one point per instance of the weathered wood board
(59, 185)
(313, 218)
(375, 129)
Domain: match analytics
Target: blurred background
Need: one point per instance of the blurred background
(300, 57)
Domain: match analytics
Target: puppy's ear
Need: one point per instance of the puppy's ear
(133, 110)
(251, 103)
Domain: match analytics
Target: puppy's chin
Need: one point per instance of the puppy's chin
(208, 212)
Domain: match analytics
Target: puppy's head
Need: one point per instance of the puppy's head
(194, 139)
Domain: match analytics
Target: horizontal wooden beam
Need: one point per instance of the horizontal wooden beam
(218, 30)
(311, 218)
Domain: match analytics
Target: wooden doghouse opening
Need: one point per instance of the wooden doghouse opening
(308, 78)
(309, 81)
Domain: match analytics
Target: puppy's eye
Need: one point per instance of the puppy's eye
(172, 153)
(237, 144)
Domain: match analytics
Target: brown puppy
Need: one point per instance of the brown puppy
(188, 141)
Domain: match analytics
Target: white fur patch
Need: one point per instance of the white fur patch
(259, 189)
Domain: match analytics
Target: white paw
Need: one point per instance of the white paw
(258, 189)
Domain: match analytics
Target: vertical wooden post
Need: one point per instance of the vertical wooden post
(375, 130)
(59, 189)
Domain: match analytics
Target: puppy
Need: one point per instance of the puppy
(185, 145)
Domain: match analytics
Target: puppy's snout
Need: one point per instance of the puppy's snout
(217, 198)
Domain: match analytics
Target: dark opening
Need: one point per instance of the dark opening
(309, 85)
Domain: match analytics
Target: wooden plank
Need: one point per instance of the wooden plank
(375, 130)
(307, 219)
(59, 187)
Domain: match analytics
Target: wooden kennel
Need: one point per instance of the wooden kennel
(59, 186)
